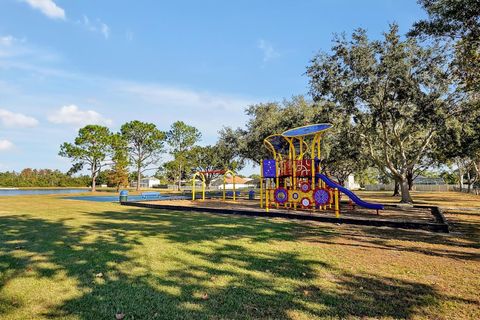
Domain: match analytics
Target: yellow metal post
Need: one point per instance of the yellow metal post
(224, 178)
(261, 184)
(202, 177)
(312, 185)
(234, 187)
(266, 198)
(224, 187)
(331, 199)
(337, 203)
(193, 187)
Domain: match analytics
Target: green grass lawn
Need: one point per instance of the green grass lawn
(83, 260)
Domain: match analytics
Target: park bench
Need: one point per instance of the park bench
(230, 193)
(150, 195)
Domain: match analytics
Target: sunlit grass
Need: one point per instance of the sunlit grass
(445, 199)
(83, 260)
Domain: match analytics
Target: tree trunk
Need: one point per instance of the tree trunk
(469, 182)
(406, 197)
(139, 176)
(460, 177)
(396, 190)
(179, 177)
(94, 179)
(410, 180)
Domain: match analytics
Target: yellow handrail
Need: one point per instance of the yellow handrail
(224, 178)
(203, 184)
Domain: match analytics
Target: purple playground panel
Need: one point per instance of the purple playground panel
(321, 197)
(281, 195)
(269, 168)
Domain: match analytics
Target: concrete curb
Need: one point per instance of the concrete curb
(439, 225)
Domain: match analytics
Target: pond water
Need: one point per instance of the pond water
(20, 192)
(130, 198)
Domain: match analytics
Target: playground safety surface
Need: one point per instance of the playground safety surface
(407, 217)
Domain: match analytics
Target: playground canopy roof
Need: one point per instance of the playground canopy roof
(278, 143)
(307, 130)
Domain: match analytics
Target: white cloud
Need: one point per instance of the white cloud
(161, 104)
(5, 145)
(48, 8)
(9, 46)
(105, 30)
(11, 119)
(171, 97)
(6, 40)
(96, 26)
(73, 115)
(268, 50)
(87, 24)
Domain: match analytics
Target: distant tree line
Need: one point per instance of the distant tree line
(41, 178)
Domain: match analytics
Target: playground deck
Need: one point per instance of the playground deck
(392, 216)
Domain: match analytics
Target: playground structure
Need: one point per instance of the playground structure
(201, 176)
(295, 183)
(293, 178)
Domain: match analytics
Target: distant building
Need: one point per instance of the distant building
(240, 183)
(149, 182)
(351, 184)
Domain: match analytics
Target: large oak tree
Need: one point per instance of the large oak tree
(395, 92)
(458, 21)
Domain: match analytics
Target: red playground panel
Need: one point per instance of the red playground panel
(286, 168)
(303, 168)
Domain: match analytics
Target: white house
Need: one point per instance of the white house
(351, 184)
(240, 183)
(148, 182)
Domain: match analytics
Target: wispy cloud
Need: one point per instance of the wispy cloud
(95, 26)
(48, 8)
(11, 119)
(209, 111)
(268, 50)
(172, 97)
(163, 104)
(5, 145)
(7, 41)
(105, 30)
(73, 115)
(9, 45)
(18, 54)
(129, 35)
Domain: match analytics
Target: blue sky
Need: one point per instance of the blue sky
(66, 63)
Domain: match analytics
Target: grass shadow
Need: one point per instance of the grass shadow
(176, 265)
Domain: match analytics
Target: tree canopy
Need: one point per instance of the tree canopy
(90, 148)
(118, 175)
(145, 144)
(395, 91)
(181, 138)
(459, 21)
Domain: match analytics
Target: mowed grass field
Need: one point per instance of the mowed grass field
(83, 260)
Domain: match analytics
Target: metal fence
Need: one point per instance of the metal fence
(416, 187)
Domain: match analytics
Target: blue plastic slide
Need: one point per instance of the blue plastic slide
(349, 193)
